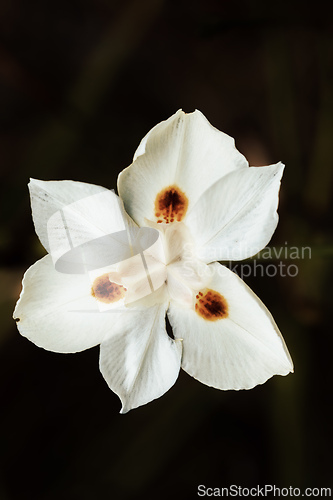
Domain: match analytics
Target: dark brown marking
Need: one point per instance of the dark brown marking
(106, 291)
(171, 203)
(211, 305)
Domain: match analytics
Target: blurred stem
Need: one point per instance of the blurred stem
(54, 144)
(281, 103)
(151, 439)
(317, 192)
(287, 422)
(118, 43)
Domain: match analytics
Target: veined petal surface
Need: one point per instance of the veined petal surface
(239, 351)
(58, 312)
(72, 218)
(139, 361)
(236, 217)
(48, 197)
(184, 152)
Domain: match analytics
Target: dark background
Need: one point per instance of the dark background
(81, 82)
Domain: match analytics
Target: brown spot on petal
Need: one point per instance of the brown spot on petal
(171, 204)
(211, 305)
(106, 291)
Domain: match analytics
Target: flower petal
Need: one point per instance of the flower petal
(179, 291)
(58, 311)
(184, 152)
(139, 361)
(81, 225)
(236, 217)
(238, 351)
(48, 197)
(145, 272)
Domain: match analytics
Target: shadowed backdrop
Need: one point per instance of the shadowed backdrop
(81, 82)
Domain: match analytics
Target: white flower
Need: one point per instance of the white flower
(116, 266)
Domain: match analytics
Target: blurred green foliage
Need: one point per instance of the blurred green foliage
(81, 82)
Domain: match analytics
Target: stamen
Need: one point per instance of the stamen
(171, 204)
(211, 305)
(106, 291)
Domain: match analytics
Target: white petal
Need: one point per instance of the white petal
(236, 352)
(140, 276)
(158, 129)
(48, 197)
(185, 151)
(140, 362)
(178, 290)
(145, 272)
(236, 217)
(194, 274)
(57, 311)
(81, 225)
(177, 242)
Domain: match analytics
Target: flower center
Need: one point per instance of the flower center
(211, 305)
(168, 267)
(170, 205)
(106, 291)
